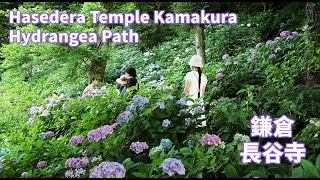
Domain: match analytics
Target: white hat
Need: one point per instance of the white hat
(196, 61)
(123, 79)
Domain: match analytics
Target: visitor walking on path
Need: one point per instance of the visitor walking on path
(91, 89)
(195, 82)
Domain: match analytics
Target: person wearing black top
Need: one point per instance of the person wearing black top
(133, 80)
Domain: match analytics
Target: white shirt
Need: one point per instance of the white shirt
(193, 78)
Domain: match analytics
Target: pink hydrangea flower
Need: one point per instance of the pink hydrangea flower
(219, 75)
(285, 33)
(210, 139)
(226, 56)
(138, 147)
(76, 140)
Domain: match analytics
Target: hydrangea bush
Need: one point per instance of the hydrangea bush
(153, 134)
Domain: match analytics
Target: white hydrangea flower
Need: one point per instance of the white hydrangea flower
(241, 138)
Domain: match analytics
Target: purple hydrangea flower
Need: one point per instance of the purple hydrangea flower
(269, 42)
(86, 152)
(198, 110)
(295, 34)
(124, 117)
(171, 166)
(131, 108)
(276, 39)
(277, 50)
(138, 147)
(226, 56)
(236, 62)
(285, 33)
(100, 133)
(48, 134)
(76, 163)
(182, 101)
(76, 140)
(170, 97)
(106, 129)
(289, 37)
(259, 45)
(210, 139)
(69, 174)
(253, 62)
(94, 136)
(108, 170)
(140, 101)
(41, 164)
(228, 63)
(161, 105)
(272, 56)
(166, 123)
(219, 75)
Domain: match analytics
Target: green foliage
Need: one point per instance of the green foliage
(252, 83)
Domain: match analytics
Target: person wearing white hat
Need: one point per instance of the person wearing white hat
(122, 82)
(128, 82)
(195, 81)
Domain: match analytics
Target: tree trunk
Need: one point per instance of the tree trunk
(200, 41)
(98, 66)
(313, 14)
(264, 6)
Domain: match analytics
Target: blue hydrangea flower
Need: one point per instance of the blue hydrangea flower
(198, 110)
(166, 144)
(259, 45)
(269, 42)
(131, 108)
(277, 50)
(170, 97)
(272, 56)
(295, 34)
(166, 123)
(182, 101)
(183, 111)
(172, 166)
(161, 105)
(140, 101)
(124, 117)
